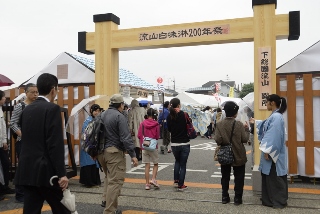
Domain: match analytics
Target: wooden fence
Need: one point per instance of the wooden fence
(69, 102)
(291, 95)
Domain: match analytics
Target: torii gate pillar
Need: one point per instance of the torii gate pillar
(106, 57)
(263, 29)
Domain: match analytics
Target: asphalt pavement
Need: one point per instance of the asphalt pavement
(203, 195)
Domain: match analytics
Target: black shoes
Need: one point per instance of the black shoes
(8, 191)
(103, 204)
(237, 201)
(225, 200)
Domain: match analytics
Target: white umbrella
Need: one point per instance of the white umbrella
(77, 117)
(68, 200)
(21, 97)
(75, 110)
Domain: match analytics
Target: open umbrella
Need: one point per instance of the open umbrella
(77, 113)
(145, 102)
(68, 200)
(246, 108)
(5, 81)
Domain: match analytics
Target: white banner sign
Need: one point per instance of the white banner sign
(156, 96)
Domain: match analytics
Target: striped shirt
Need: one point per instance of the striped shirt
(3, 129)
(15, 119)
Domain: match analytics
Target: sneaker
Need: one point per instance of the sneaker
(175, 184)
(147, 186)
(154, 183)
(182, 188)
(103, 204)
(225, 200)
(118, 212)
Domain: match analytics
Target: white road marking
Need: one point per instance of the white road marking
(205, 146)
(195, 170)
(141, 168)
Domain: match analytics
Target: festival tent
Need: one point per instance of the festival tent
(197, 99)
(72, 70)
(307, 61)
(186, 98)
(225, 99)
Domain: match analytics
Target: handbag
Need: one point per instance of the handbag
(225, 154)
(149, 144)
(191, 132)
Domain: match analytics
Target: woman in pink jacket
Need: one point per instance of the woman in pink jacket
(149, 129)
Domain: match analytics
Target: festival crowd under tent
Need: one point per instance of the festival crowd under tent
(299, 83)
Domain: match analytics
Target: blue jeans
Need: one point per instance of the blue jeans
(181, 154)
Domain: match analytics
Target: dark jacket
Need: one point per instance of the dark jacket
(117, 131)
(42, 151)
(178, 128)
(240, 136)
(162, 119)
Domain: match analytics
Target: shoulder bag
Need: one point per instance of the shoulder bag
(191, 132)
(225, 154)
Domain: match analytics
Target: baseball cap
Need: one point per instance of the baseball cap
(116, 98)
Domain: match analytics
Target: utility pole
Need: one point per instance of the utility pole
(174, 84)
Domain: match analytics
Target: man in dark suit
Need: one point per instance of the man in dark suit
(42, 151)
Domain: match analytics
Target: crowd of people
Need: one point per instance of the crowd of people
(131, 130)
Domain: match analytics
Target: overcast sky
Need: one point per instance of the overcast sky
(34, 32)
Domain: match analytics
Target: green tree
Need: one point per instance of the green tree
(246, 89)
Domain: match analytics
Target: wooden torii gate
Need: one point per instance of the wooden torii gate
(264, 28)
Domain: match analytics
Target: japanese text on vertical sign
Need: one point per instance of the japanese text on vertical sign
(185, 33)
(264, 75)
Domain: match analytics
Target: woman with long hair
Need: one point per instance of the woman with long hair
(273, 161)
(180, 145)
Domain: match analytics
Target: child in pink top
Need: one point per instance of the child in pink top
(150, 128)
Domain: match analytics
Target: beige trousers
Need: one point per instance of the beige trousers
(116, 169)
(105, 170)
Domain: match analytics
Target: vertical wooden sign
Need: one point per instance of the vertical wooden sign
(265, 77)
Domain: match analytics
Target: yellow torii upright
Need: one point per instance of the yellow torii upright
(264, 28)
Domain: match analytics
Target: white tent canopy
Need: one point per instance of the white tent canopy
(186, 98)
(75, 72)
(307, 61)
(197, 99)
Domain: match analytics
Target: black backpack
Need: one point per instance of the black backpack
(93, 137)
(14, 135)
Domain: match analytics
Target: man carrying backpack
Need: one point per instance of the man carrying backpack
(118, 140)
(32, 93)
